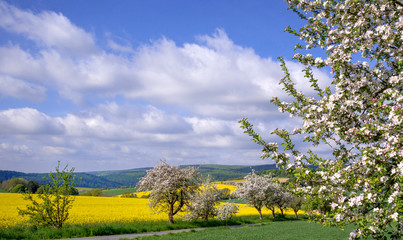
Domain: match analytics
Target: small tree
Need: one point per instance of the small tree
(171, 188)
(96, 192)
(227, 211)
(33, 186)
(204, 202)
(295, 204)
(19, 188)
(128, 195)
(225, 193)
(55, 202)
(255, 190)
(274, 198)
(10, 184)
(283, 200)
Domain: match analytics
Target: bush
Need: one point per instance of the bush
(97, 192)
(33, 186)
(227, 211)
(129, 195)
(56, 201)
(11, 183)
(204, 202)
(225, 193)
(19, 188)
(145, 196)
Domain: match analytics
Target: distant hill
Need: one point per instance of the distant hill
(130, 177)
(87, 180)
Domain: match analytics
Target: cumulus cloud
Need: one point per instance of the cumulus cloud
(28, 121)
(214, 75)
(21, 149)
(16, 88)
(135, 106)
(48, 28)
(52, 150)
(120, 47)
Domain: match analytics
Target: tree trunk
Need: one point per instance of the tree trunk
(171, 215)
(260, 214)
(295, 212)
(273, 212)
(171, 218)
(281, 209)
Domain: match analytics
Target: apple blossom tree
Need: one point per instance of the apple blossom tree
(295, 204)
(256, 190)
(171, 188)
(227, 211)
(276, 198)
(204, 202)
(360, 117)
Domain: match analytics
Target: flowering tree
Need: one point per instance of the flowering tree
(361, 120)
(227, 211)
(171, 188)
(283, 200)
(276, 198)
(295, 204)
(255, 190)
(204, 202)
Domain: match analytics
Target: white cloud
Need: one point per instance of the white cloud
(28, 121)
(119, 47)
(13, 87)
(95, 127)
(48, 28)
(159, 100)
(52, 150)
(20, 64)
(207, 78)
(21, 149)
(210, 126)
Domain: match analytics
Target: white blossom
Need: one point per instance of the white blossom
(359, 116)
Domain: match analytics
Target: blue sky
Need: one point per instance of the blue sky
(106, 85)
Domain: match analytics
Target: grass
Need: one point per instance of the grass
(275, 230)
(118, 191)
(88, 230)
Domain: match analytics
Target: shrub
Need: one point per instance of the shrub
(128, 195)
(56, 201)
(19, 188)
(204, 202)
(227, 211)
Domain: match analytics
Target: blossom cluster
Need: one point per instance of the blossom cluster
(361, 120)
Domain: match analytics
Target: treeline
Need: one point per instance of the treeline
(278, 173)
(21, 185)
(127, 178)
(87, 180)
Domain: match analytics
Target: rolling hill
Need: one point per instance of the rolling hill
(130, 177)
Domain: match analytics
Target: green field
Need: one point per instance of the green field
(118, 191)
(277, 231)
(280, 229)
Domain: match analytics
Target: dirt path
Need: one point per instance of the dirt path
(135, 235)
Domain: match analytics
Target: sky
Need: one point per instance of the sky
(110, 85)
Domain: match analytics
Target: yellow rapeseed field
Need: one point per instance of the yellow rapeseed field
(97, 210)
(85, 210)
(229, 186)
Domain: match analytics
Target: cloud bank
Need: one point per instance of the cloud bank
(131, 106)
